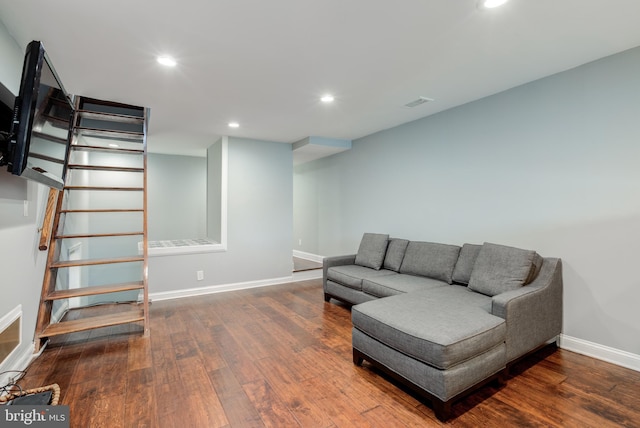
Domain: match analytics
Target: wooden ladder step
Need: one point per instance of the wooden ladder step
(104, 168)
(64, 327)
(106, 149)
(48, 158)
(93, 262)
(94, 290)
(49, 137)
(109, 133)
(105, 210)
(98, 235)
(117, 189)
(111, 117)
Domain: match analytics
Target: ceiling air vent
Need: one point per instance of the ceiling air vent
(418, 102)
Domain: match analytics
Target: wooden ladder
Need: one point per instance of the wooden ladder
(98, 249)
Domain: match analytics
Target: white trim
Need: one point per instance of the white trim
(224, 179)
(308, 256)
(190, 292)
(307, 274)
(191, 249)
(62, 310)
(18, 359)
(601, 352)
(5, 322)
(16, 362)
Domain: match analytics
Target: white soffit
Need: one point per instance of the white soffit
(312, 148)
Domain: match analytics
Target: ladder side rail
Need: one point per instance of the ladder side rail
(49, 279)
(145, 239)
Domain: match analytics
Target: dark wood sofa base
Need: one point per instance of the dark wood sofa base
(442, 409)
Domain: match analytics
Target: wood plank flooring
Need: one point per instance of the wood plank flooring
(280, 356)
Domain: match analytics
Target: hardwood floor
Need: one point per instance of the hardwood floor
(279, 356)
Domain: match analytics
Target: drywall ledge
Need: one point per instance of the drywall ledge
(182, 246)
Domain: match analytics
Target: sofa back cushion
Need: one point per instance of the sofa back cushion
(395, 254)
(466, 260)
(499, 268)
(430, 259)
(373, 247)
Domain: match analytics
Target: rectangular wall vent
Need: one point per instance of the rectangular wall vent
(10, 333)
(418, 102)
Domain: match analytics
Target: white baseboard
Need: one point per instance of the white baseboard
(308, 256)
(60, 312)
(601, 352)
(16, 362)
(178, 294)
(307, 274)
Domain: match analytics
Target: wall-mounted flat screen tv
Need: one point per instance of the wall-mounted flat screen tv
(38, 142)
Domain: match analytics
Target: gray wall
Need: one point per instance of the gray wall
(176, 196)
(259, 231)
(22, 265)
(551, 165)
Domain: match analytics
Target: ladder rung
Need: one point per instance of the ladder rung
(109, 133)
(46, 158)
(94, 290)
(65, 327)
(92, 262)
(87, 100)
(98, 235)
(106, 149)
(111, 117)
(123, 189)
(48, 137)
(105, 168)
(106, 210)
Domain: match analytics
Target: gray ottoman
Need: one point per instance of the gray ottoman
(438, 342)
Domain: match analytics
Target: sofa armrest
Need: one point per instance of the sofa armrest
(533, 313)
(328, 262)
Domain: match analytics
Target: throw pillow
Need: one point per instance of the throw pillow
(499, 268)
(431, 260)
(395, 254)
(372, 249)
(466, 260)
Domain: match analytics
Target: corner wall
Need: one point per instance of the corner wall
(551, 165)
(21, 263)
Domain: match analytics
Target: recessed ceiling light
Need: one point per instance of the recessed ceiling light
(490, 4)
(234, 125)
(167, 61)
(113, 145)
(328, 98)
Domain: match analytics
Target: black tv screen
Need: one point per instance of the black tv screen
(42, 122)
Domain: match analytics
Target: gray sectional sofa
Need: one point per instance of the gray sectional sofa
(445, 319)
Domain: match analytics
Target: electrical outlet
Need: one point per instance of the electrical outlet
(200, 275)
(300, 241)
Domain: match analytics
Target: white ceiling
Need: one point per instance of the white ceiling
(265, 63)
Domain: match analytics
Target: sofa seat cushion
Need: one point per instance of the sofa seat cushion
(462, 296)
(433, 329)
(352, 275)
(390, 285)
